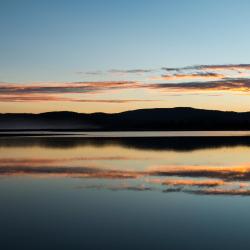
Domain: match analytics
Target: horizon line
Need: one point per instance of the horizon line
(120, 112)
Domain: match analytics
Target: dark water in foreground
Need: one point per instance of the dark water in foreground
(124, 193)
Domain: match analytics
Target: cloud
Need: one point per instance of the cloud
(35, 92)
(202, 75)
(207, 72)
(8, 89)
(92, 73)
(131, 71)
(235, 67)
(30, 98)
(50, 98)
(116, 71)
(229, 84)
(38, 92)
(114, 101)
(215, 67)
(64, 87)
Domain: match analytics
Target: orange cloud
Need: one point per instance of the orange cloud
(64, 87)
(56, 97)
(38, 92)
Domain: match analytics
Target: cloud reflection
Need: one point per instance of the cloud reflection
(189, 182)
(116, 163)
(191, 179)
(234, 173)
(118, 187)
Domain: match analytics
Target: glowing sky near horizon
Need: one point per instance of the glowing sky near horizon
(115, 55)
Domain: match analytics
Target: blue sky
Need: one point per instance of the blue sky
(66, 42)
(51, 40)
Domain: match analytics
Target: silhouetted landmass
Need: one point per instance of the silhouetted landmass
(159, 119)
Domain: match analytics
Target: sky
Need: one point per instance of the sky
(113, 55)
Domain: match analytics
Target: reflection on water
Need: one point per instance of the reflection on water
(126, 134)
(200, 165)
(124, 193)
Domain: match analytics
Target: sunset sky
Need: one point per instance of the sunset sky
(113, 55)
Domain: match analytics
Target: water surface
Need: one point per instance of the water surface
(126, 134)
(125, 192)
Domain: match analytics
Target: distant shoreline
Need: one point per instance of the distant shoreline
(158, 119)
(127, 134)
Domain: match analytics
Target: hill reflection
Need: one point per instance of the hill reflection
(145, 143)
(193, 165)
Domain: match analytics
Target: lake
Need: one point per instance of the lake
(125, 190)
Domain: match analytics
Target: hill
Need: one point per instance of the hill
(143, 119)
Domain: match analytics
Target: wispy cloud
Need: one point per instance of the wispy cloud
(235, 67)
(113, 100)
(30, 98)
(230, 84)
(64, 87)
(42, 98)
(202, 75)
(240, 84)
(131, 71)
(116, 71)
(75, 91)
(12, 92)
(91, 73)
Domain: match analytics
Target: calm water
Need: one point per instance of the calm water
(132, 133)
(78, 192)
